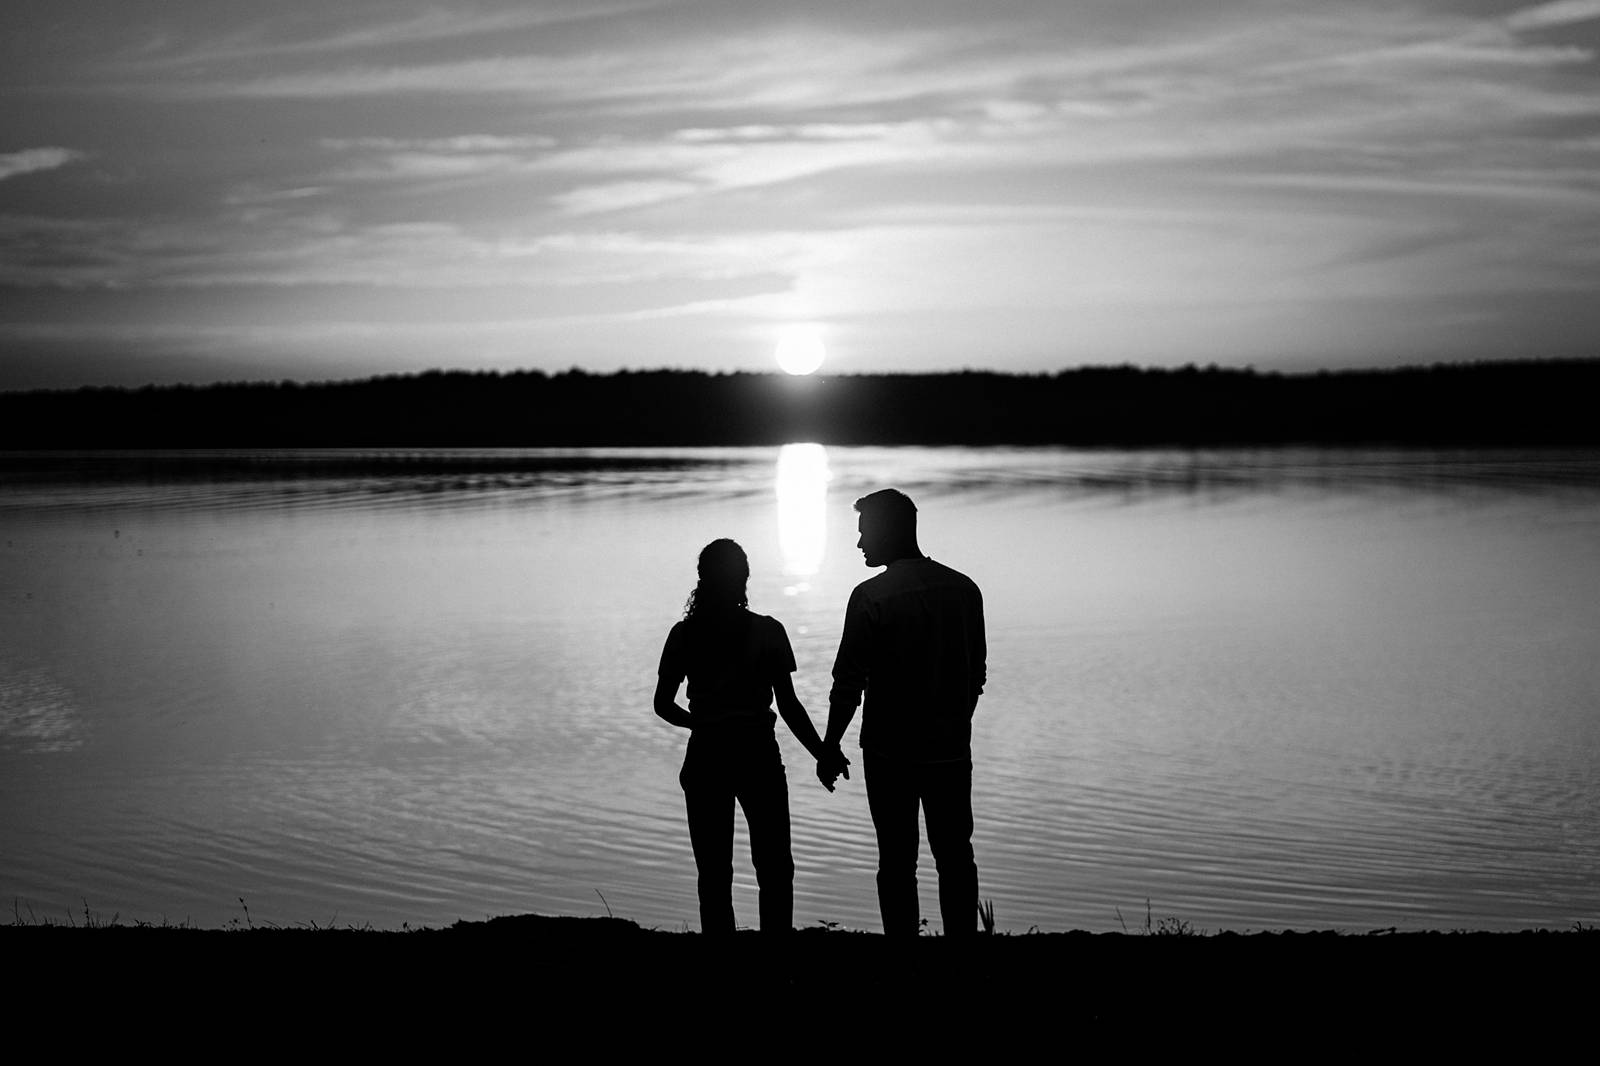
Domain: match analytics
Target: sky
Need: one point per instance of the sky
(204, 190)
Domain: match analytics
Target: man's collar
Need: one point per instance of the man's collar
(909, 559)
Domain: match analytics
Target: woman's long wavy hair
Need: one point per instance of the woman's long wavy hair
(724, 572)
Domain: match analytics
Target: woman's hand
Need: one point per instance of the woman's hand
(830, 765)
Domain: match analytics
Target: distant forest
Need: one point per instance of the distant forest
(1508, 403)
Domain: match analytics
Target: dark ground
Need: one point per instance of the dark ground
(609, 985)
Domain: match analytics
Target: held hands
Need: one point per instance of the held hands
(830, 765)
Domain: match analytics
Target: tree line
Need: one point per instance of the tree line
(1502, 403)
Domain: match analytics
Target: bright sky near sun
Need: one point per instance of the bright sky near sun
(212, 189)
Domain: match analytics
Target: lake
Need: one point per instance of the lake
(1289, 688)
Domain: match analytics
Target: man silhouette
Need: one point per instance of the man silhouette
(914, 643)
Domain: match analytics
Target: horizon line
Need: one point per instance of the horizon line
(1248, 369)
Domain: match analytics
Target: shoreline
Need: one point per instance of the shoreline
(584, 969)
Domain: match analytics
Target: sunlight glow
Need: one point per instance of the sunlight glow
(802, 484)
(800, 350)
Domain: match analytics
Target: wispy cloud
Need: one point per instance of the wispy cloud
(32, 160)
(1244, 84)
(333, 36)
(424, 159)
(1572, 190)
(255, 195)
(470, 142)
(791, 68)
(1558, 13)
(889, 165)
(710, 161)
(323, 249)
(616, 196)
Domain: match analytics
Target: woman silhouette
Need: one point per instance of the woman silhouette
(736, 661)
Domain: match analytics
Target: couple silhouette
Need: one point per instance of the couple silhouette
(913, 643)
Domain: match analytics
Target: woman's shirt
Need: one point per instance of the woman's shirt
(730, 666)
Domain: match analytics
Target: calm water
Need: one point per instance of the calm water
(1260, 689)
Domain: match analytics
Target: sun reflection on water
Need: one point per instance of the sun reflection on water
(802, 488)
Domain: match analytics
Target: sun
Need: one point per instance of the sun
(800, 350)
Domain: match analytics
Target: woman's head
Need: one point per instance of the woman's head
(724, 572)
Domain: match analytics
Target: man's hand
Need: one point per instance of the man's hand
(830, 765)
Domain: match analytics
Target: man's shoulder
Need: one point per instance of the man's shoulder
(929, 572)
(866, 588)
(951, 574)
(910, 576)
(879, 586)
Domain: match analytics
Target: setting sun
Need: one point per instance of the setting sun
(800, 350)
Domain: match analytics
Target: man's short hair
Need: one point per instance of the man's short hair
(890, 510)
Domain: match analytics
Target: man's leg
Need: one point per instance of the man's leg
(892, 799)
(764, 795)
(710, 805)
(947, 804)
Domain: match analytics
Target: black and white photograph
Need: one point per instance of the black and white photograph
(943, 526)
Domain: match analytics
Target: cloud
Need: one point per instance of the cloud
(255, 195)
(1514, 187)
(31, 160)
(422, 159)
(614, 173)
(750, 69)
(810, 131)
(425, 166)
(472, 142)
(132, 257)
(1035, 149)
(615, 196)
(432, 27)
(1559, 13)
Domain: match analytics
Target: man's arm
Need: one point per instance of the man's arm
(850, 667)
(831, 762)
(840, 715)
(980, 649)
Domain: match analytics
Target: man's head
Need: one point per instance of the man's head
(888, 526)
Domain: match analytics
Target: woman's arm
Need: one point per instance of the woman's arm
(830, 760)
(794, 714)
(667, 703)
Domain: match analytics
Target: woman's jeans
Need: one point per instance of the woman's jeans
(742, 763)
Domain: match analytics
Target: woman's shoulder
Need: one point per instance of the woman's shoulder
(770, 629)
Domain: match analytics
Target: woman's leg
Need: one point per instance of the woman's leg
(764, 795)
(709, 800)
